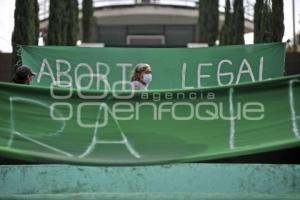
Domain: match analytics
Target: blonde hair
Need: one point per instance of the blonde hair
(138, 70)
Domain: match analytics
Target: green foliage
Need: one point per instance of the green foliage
(226, 34)
(87, 19)
(71, 22)
(208, 21)
(26, 29)
(268, 21)
(203, 21)
(238, 22)
(278, 20)
(257, 20)
(63, 22)
(56, 22)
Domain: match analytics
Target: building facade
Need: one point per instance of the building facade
(147, 23)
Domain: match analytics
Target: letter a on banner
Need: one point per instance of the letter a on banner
(114, 133)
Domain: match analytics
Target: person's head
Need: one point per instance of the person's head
(142, 73)
(23, 75)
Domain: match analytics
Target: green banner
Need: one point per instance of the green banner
(175, 68)
(98, 127)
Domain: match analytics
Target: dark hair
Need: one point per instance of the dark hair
(22, 75)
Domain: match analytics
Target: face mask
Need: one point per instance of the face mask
(147, 78)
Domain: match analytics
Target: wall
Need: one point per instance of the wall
(5, 67)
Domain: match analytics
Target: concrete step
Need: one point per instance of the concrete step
(180, 181)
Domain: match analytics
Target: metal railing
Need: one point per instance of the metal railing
(248, 5)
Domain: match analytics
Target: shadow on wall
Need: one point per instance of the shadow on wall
(292, 63)
(5, 67)
(284, 156)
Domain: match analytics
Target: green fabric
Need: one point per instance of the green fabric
(172, 67)
(28, 132)
(167, 124)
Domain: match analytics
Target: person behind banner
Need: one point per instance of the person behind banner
(23, 75)
(141, 77)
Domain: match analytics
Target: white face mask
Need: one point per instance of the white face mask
(147, 78)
